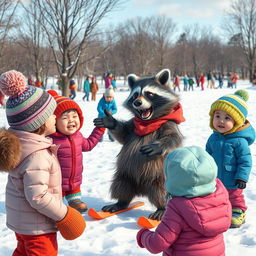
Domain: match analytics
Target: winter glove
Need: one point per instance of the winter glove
(73, 224)
(138, 237)
(106, 122)
(240, 184)
(151, 149)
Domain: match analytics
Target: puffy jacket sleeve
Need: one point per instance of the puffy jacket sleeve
(208, 145)
(100, 108)
(113, 107)
(36, 181)
(165, 234)
(90, 142)
(244, 160)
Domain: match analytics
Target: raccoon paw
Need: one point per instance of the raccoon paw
(157, 215)
(115, 207)
(153, 149)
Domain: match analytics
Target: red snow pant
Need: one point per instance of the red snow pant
(236, 199)
(36, 245)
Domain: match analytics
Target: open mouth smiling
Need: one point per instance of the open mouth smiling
(145, 113)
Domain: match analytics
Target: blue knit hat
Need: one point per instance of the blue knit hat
(234, 105)
(190, 172)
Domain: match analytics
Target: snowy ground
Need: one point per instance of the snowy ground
(116, 236)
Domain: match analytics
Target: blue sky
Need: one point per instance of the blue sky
(182, 12)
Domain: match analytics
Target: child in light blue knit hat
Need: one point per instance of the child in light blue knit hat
(198, 212)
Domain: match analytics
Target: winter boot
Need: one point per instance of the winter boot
(238, 218)
(78, 205)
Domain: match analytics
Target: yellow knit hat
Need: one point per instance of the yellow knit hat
(234, 105)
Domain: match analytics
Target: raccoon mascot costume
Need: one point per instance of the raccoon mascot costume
(146, 138)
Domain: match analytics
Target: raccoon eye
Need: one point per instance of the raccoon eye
(150, 94)
(135, 96)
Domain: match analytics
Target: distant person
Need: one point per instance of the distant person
(209, 79)
(191, 83)
(197, 78)
(212, 84)
(185, 82)
(229, 80)
(107, 103)
(94, 88)
(229, 146)
(220, 80)
(86, 88)
(198, 212)
(234, 80)
(254, 78)
(176, 83)
(113, 83)
(38, 83)
(31, 81)
(108, 79)
(201, 81)
(72, 88)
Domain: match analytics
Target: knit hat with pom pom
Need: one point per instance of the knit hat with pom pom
(28, 107)
(234, 105)
(64, 104)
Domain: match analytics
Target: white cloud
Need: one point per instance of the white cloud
(200, 9)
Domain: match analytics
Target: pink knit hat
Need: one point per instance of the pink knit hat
(28, 107)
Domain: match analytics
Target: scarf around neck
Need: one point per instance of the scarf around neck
(143, 127)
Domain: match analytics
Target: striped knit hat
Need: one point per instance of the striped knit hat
(234, 105)
(28, 107)
(64, 104)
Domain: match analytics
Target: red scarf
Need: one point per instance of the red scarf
(143, 127)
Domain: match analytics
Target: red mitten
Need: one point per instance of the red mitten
(73, 224)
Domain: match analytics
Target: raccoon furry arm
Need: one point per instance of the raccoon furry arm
(170, 137)
(167, 138)
(122, 130)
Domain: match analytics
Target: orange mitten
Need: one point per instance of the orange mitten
(73, 224)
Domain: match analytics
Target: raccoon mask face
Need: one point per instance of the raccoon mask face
(151, 97)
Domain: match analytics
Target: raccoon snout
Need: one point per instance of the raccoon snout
(137, 103)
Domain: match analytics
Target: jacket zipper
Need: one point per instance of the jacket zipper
(73, 154)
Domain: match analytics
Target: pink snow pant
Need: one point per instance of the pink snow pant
(236, 199)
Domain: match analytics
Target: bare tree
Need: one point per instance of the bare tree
(241, 23)
(162, 30)
(31, 37)
(7, 10)
(68, 25)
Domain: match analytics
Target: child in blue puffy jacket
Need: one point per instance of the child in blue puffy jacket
(108, 103)
(229, 146)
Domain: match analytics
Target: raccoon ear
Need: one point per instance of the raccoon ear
(163, 77)
(132, 78)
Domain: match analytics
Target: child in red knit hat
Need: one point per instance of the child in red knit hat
(69, 120)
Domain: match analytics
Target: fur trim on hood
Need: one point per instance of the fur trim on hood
(10, 150)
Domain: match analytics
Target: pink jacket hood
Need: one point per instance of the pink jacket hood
(32, 142)
(197, 215)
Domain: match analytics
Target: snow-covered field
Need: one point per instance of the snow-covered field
(116, 236)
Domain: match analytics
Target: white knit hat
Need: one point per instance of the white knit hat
(109, 92)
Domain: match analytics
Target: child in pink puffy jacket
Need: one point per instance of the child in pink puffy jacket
(199, 211)
(33, 199)
(72, 144)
